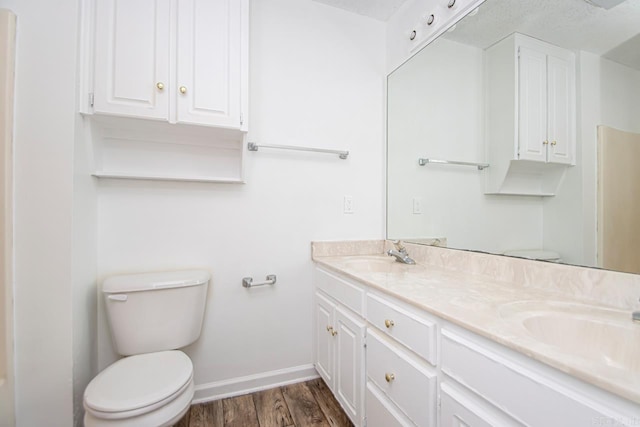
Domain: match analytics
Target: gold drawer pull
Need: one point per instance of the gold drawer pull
(389, 377)
(389, 323)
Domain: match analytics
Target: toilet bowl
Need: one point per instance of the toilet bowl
(153, 389)
(150, 316)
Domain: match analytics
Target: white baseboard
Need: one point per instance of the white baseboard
(252, 383)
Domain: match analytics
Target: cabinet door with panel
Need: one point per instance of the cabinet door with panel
(181, 61)
(349, 372)
(339, 354)
(324, 351)
(132, 58)
(561, 109)
(546, 103)
(532, 105)
(209, 62)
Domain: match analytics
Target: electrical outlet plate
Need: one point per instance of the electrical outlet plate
(348, 204)
(417, 205)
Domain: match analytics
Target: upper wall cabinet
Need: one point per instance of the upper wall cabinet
(531, 115)
(546, 105)
(182, 61)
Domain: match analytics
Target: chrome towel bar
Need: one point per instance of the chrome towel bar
(480, 166)
(247, 282)
(252, 146)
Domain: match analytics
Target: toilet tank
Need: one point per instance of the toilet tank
(155, 311)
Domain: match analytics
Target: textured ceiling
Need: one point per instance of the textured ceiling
(377, 9)
(573, 24)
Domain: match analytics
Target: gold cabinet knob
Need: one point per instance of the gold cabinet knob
(334, 332)
(329, 328)
(389, 323)
(160, 85)
(183, 89)
(545, 142)
(553, 142)
(389, 377)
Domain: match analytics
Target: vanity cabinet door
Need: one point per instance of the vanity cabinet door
(339, 354)
(132, 63)
(324, 351)
(349, 372)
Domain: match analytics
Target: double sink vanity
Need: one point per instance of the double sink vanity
(471, 339)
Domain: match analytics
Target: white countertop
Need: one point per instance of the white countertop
(576, 334)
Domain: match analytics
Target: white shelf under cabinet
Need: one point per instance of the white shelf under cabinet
(151, 150)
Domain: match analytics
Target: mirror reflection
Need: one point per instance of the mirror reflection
(547, 94)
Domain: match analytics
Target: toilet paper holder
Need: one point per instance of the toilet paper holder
(248, 282)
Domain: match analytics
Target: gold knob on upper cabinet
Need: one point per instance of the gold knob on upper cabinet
(389, 323)
(183, 89)
(334, 332)
(160, 85)
(329, 328)
(553, 142)
(545, 142)
(389, 377)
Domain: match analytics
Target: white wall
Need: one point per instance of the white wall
(436, 106)
(44, 144)
(316, 79)
(84, 264)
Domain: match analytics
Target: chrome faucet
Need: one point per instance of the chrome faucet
(400, 252)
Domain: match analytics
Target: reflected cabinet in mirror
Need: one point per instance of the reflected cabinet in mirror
(517, 132)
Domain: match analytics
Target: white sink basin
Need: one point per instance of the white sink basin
(595, 333)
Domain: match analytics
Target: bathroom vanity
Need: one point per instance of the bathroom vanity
(466, 338)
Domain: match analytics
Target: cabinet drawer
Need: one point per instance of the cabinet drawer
(520, 389)
(349, 294)
(416, 333)
(380, 412)
(404, 378)
(461, 408)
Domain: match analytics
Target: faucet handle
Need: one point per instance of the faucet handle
(398, 245)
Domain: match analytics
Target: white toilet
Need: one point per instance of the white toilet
(150, 316)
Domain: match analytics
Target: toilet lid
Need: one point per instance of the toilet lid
(138, 381)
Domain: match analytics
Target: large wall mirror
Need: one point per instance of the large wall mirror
(442, 105)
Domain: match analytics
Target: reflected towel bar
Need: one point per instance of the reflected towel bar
(480, 166)
(252, 146)
(247, 282)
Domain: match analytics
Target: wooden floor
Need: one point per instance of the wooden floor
(303, 404)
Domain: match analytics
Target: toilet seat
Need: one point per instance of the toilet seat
(140, 384)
